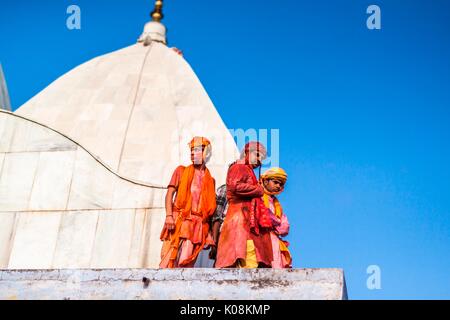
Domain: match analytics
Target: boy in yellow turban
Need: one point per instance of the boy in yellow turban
(273, 181)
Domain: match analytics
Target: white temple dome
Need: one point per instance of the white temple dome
(135, 109)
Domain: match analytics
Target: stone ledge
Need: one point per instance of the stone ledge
(178, 284)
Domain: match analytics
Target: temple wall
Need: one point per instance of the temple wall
(191, 284)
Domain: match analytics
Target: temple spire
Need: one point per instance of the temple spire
(4, 96)
(154, 30)
(157, 14)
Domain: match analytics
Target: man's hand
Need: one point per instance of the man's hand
(170, 223)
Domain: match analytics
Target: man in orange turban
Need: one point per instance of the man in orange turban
(238, 246)
(274, 181)
(186, 228)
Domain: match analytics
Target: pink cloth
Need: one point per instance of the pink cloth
(280, 229)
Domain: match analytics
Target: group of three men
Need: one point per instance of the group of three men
(243, 224)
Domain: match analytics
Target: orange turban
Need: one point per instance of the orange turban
(199, 141)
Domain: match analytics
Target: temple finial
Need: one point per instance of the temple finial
(157, 14)
(154, 30)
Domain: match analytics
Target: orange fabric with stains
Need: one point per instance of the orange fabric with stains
(193, 207)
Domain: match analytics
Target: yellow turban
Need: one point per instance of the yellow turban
(275, 173)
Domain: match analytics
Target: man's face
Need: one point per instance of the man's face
(255, 158)
(274, 185)
(197, 155)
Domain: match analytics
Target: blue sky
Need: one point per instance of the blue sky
(364, 115)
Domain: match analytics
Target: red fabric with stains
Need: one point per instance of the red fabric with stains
(242, 188)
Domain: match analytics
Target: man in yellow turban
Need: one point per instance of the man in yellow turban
(186, 229)
(273, 181)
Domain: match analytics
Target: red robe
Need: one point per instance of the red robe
(242, 187)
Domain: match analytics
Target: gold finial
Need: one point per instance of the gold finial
(157, 14)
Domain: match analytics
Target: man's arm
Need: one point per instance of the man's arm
(170, 222)
(237, 182)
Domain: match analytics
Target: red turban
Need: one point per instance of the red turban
(252, 146)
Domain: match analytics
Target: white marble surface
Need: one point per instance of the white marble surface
(52, 181)
(61, 208)
(7, 227)
(81, 239)
(113, 239)
(2, 157)
(75, 239)
(138, 251)
(29, 137)
(63, 176)
(16, 180)
(35, 240)
(151, 243)
(92, 187)
(6, 131)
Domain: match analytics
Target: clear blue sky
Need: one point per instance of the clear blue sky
(364, 116)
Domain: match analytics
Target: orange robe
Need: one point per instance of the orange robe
(192, 215)
(242, 187)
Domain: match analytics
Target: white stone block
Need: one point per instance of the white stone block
(16, 180)
(76, 238)
(35, 240)
(31, 137)
(2, 157)
(129, 195)
(7, 125)
(52, 182)
(153, 245)
(136, 254)
(92, 184)
(7, 226)
(113, 239)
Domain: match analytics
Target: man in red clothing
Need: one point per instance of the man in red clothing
(238, 246)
